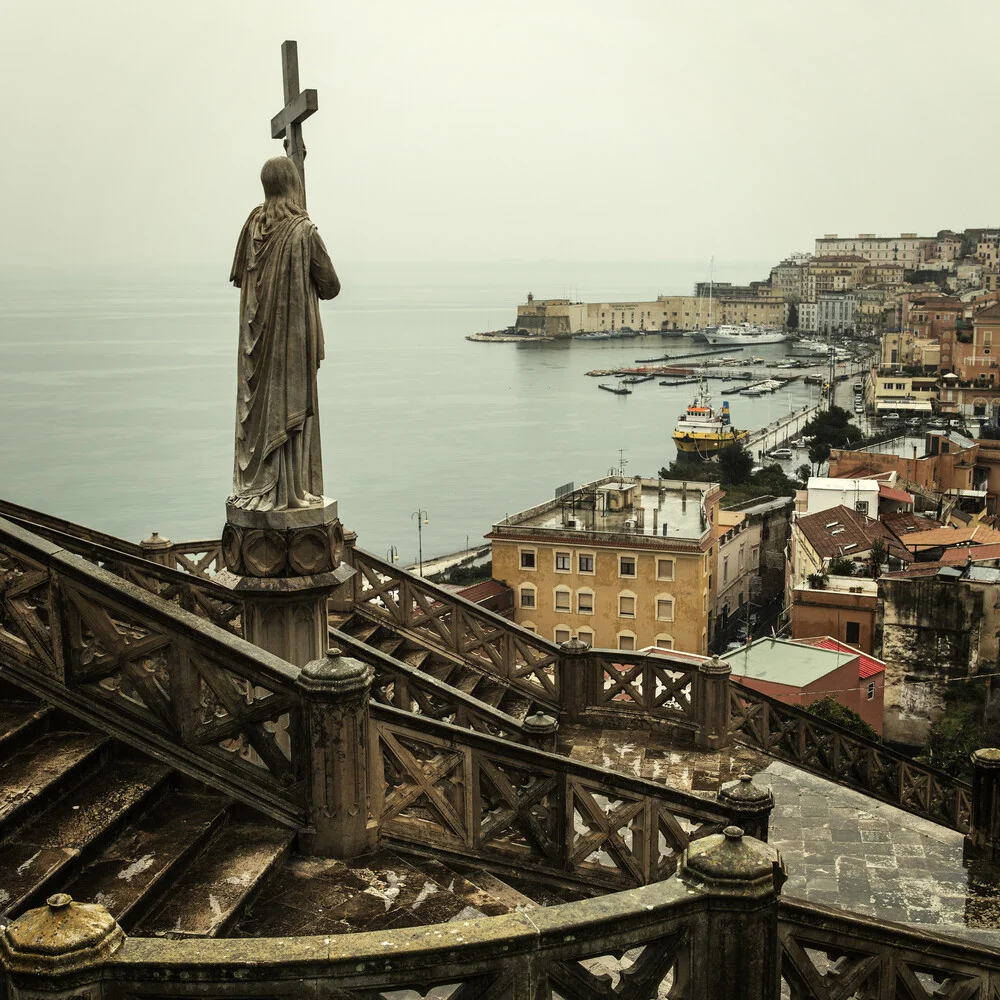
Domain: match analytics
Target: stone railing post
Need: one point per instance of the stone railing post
(576, 665)
(58, 951)
(542, 729)
(983, 837)
(739, 957)
(752, 803)
(711, 704)
(335, 690)
(159, 550)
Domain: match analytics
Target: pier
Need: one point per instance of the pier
(693, 354)
(782, 431)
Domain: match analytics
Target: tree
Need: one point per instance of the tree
(963, 728)
(831, 710)
(877, 557)
(840, 566)
(803, 472)
(735, 464)
(819, 452)
(793, 317)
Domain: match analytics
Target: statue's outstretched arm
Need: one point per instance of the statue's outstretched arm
(322, 271)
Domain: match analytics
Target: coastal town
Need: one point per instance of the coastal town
(867, 530)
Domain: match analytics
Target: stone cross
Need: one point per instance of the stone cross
(299, 105)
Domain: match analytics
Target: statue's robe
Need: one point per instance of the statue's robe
(282, 272)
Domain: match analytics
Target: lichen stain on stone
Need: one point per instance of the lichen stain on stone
(137, 867)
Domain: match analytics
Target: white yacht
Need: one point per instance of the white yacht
(744, 334)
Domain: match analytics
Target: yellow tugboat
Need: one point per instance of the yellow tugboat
(703, 432)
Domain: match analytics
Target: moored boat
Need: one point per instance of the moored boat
(744, 334)
(703, 432)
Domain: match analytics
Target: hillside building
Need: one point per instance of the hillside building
(618, 563)
(906, 250)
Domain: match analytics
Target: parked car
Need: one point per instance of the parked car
(890, 418)
(781, 453)
(913, 422)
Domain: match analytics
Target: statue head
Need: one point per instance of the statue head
(282, 189)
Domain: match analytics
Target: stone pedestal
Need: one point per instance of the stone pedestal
(743, 877)
(157, 549)
(542, 730)
(58, 950)
(576, 667)
(983, 838)
(753, 804)
(711, 704)
(289, 563)
(336, 690)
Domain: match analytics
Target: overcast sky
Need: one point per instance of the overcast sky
(528, 129)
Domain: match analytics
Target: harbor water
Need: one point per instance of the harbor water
(117, 397)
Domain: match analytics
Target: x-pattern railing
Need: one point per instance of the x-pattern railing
(450, 624)
(475, 797)
(408, 688)
(829, 954)
(150, 674)
(189, 585)
(832, 752)
(645, 682)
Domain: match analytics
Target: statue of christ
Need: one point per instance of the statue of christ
(282, 270)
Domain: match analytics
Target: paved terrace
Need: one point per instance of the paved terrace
(841, 847)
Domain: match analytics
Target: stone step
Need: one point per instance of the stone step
(209, 897)
(42, 772)
(21, 723)
(495, 887)
(390, 645)
(134, 871)
(516, 705)
(416, 658)
(364, 631)
(48, 852)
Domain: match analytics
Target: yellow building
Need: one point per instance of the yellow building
(618, 563)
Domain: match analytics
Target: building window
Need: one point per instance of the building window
(585, 635)
(527, 597)
(626, 606)
(853, 632)
(529, 626)
(562, 562)
(562, 602)
(725, 569)
(626, 641)
(586, 563)
(561, 634)
(664, 642)
(665, 569)
(755, 557)
(665, 609)
(626, 565)
(871, 690)
(527, 558)
(585, 602)
(861, 506)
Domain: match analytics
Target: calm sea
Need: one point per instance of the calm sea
(117, 397)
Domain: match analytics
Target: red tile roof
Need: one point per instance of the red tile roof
(891, 494)
(905, 522)
(482, 591)
(868, 666)
(830, 531)
(978, 534)
(964, 553)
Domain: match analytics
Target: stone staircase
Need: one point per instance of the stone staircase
(451, 669)
(83, 814)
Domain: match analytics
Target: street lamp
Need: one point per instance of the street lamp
(392, 554)
(421, 516)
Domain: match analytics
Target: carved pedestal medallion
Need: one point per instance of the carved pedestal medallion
(288, 543)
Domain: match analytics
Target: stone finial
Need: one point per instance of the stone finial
(540, 724)
(987, 757)
(715, 665)
(59, 938)
(752, 804)
(732, 862)
(156, 541)
(574, 647)
(335, 674)
(744, 794)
